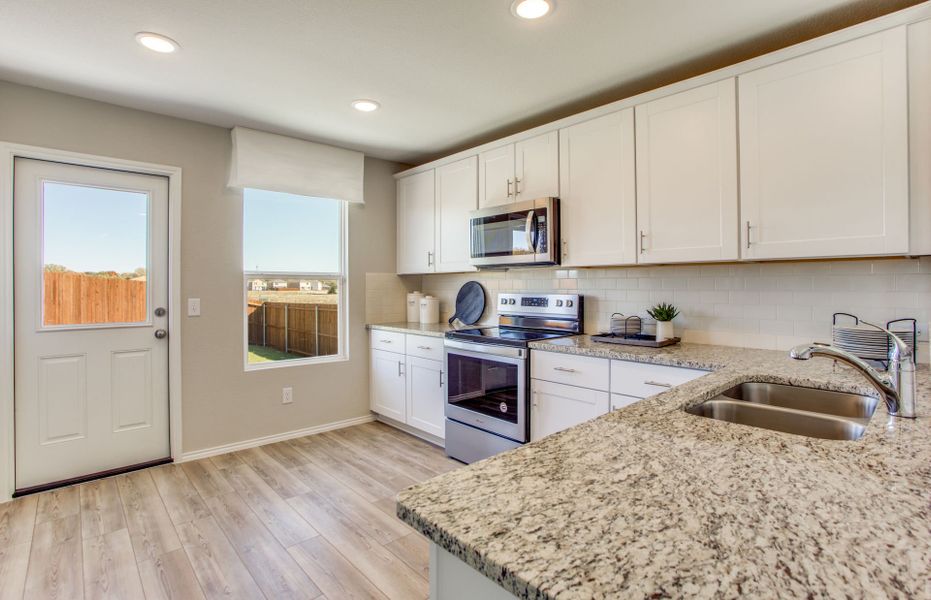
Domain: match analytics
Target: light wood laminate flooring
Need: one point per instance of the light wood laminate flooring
(307, 518)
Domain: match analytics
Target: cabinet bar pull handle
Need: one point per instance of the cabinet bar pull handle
(400, 367)
(748, 234)
(642, 235)
(516, 185)
(509, 187)
(658, 384)
(424, 348)
(564, 370)
(385, 341)
(441, 378)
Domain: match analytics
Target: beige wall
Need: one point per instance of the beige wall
(222, 403)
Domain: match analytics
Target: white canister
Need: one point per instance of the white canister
(429, 309)
(413, 307)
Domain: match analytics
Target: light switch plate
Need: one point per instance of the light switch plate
(193, 307)
(287, 395)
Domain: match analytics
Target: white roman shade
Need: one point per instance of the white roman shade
(279, 163)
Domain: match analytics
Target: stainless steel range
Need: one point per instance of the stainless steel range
(488, 372)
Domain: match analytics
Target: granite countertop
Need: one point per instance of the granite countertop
(650, 501)
(431, 329)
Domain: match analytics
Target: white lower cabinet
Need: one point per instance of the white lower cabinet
(555, 406)
(410, 387)
(426, 396)
(387, 384)
(620, 401)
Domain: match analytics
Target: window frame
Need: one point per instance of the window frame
(342, 279)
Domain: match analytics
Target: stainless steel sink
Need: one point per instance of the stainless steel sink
(839, 404)
(790, 409)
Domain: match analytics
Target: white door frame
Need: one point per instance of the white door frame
(9, 152)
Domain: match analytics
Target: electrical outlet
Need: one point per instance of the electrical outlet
(193, 307)
(287, 395)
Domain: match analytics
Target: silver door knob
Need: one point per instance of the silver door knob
(161, 333)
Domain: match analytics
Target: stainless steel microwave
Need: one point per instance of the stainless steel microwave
(522, 233)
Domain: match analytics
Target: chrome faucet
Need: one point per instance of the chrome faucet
(896, 385)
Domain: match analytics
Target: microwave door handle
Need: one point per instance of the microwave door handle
(529, 231)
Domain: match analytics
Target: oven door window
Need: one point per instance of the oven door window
(502, 235)
(483, 385)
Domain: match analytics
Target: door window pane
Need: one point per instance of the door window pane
(291, 317)
(94, 255)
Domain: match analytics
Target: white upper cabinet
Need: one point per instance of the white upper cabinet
(496, 176)
(824, 152)
(416, 199)
(687, 176)
(523, 171)
(919, 138)
(597, 199)
(456, 196)
(536, 170)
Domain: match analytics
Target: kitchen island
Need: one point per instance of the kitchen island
(650, 501)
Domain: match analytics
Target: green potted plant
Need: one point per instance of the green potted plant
(664, 314)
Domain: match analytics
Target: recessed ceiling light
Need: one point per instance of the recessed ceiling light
(365, 105)
(531, 9)
(156, 42)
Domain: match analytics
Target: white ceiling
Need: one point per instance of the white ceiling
(445, 71)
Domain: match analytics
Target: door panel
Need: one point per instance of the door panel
(456, 196)
(90, 267)
(556, 407)
(426, 398)
(496, 176)
(416, 206)
(687, 175)
(388, 387)
(537, 167)
(598, 205)
(824, 152)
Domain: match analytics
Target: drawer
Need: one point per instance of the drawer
(424, 346)
(642, 380)
(581, 371)
(392, 341)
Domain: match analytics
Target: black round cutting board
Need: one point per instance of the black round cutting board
(470, 303)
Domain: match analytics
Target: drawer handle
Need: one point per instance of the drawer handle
(658, 384)
(565, 370)
(424, 348)
(385, 341)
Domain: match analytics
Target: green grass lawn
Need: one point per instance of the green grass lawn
(260, 354)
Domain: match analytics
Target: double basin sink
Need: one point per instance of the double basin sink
(790, 409)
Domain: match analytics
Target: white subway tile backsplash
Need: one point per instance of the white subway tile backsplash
(766, 305)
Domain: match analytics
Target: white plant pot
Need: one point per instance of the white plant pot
(664, 330)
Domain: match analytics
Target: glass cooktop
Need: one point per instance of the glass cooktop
(504, 335)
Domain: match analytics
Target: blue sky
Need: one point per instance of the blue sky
(286, 232)
(93, 229)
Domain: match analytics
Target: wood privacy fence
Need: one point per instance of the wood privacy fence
(308, 329)
(76, 299)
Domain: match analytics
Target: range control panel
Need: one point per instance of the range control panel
(537, 305)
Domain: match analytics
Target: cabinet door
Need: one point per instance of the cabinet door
(824, 152)
(416, 199)
(536, 169)
(426, 395)
(556, 406)
(687, 176)
(387, 387)
(496, 176)
(456, 196)
(596, 175)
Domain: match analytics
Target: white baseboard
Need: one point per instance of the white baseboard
(427, 437)
(271, 439)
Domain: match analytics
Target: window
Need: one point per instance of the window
(294, 279)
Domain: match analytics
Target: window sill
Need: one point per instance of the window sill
(297, 362)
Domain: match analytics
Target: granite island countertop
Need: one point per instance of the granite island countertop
(650, 501)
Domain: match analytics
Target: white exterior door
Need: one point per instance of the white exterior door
(91, 360)
(496, 176)
(556, 407)
(536, 169)
(687, 176)
(416, 199)
(456, 196)
(824, 152)
(597, 201)
(426, 396)
(388, 385)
